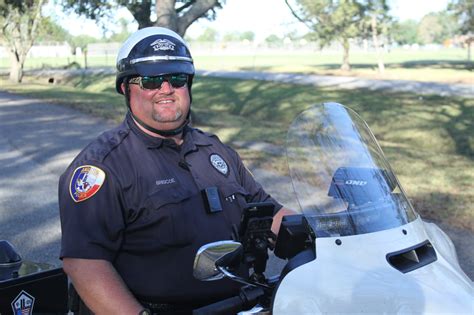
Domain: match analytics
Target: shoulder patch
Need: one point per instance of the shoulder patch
(85, 182)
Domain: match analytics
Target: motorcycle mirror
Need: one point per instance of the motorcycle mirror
(208, 255)
(10, 260)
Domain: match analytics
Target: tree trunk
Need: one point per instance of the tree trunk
(378, 51)
(166, 15)
(169, 17)
(16, 69)
(84, 52)
(141, 12)
(345, 58)
(19, 29)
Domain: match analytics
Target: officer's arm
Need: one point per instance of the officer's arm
(278, 217)
(100, 286)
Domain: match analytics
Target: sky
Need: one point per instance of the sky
(266, 17)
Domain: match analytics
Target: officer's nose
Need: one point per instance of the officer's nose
(166, 88)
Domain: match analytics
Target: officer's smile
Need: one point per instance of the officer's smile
(165, 101)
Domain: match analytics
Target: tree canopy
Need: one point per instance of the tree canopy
(405, 33)
(463, 10)
(436, 28)
(176, 15)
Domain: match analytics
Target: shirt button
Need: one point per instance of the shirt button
(175, 195)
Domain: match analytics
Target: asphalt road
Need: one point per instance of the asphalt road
(39, 140)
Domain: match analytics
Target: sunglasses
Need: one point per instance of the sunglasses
(154, 83)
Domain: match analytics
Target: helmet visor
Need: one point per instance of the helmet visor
(152, 69)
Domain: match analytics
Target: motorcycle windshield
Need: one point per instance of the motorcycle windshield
(342, 181)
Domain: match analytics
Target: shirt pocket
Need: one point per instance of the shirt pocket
(171, 216)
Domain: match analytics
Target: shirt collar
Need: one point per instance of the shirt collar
(149, 141)
(192, 137)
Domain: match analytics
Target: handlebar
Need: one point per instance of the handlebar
(247, 298)
(231, 305)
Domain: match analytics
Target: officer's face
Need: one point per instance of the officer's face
(165, 108)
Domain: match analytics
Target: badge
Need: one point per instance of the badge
(219, 164)
(23, 304)
(85, 182)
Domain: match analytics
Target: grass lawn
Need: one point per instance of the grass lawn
(444, 65)
(448, 66)
(427, 139)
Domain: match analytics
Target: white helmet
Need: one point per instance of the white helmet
(153, 51)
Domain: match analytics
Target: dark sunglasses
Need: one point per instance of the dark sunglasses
(154, 83)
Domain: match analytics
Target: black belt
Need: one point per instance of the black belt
(167, 309)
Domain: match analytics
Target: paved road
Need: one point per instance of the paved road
(39, 140)
(37, 143)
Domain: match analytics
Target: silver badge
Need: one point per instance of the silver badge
(219, 164)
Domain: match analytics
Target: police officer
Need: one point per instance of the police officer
(134, 204)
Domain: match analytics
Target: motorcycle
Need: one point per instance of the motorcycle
(358, 245)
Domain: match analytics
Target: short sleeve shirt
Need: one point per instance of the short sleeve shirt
(137, 201)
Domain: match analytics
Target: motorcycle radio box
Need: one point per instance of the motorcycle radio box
(30, 288)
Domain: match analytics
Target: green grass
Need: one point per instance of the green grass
(448, 66)
(427, 139)
(445, 65)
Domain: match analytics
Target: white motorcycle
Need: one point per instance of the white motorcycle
(358, 245)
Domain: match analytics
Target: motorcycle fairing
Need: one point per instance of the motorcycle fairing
(341, 179)
(352, 200)
(355, 277)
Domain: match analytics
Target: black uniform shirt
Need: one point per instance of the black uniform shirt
(135, 200)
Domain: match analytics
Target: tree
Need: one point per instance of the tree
(435, 28)
(273, 40)
(19, 21)
(405, 33)
(331, 20)
(238, 36)
(209, 35)
(50, 31)
(463, 10)
(81, 41)
(123, 34)
(247, 36)
(176, 15)
(377, 21)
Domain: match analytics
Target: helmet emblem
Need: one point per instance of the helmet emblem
(162, 44)
(219, 164)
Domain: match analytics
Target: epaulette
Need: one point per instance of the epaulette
(101, 147)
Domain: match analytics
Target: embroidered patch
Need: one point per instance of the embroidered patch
(85, 182)
(23, 303)
(219, 164)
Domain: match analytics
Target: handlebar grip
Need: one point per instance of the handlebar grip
(231, 305)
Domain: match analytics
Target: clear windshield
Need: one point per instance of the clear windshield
(342, 181)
